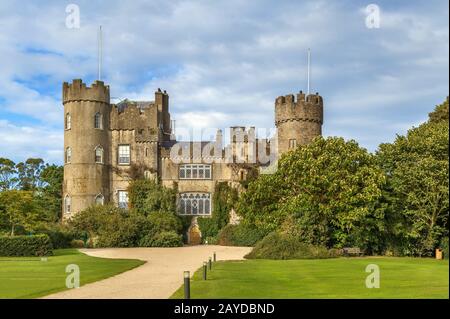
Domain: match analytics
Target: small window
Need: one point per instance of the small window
(124, 154)
(98, 120)
(99, 199)
(123, 199)
(67, 204)
(68, 155)
(99, 155)
(147, 174)
(292, 143)
(68, 121)
(146, 152)
(195, 171)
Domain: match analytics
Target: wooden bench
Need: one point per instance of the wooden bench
(352, 251)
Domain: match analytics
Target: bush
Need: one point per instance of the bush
(38, 245)
(284, 246)
(239, 235)
(211, 240)
(77, 243)
(167, 239)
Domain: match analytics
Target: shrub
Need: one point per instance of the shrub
(37, 245)
(284, 246)
(211, 240)
(239, 235)
(76, 243)
(167, 239)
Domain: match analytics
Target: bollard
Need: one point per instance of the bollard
(210, 263)
(214, 256)
(187, 285)
(204, 270)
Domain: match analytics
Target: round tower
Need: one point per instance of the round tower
(298, 120)
(86, 145)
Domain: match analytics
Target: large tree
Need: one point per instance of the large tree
(417, 167)
(8, 174)
(29, 173)
(328, 189)
(18, 209)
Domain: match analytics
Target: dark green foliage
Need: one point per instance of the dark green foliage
(147, 196)
(224, 200)
(162, 239)
(76, 243)
(60, 238)
(278, 245)
(38, 245)
(416, 195)
(109, 226)
(329, 188)
(239, 235)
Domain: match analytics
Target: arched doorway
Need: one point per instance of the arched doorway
(194, 234)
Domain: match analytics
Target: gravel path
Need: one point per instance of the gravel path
(159, 277)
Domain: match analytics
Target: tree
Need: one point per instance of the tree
(329, 189)
(29, 173)
(8, 178)
(51, 179)
(18, 208)
(417, 193)
(147, 196)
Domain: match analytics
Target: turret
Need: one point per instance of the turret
(86, 146)
(298, 120)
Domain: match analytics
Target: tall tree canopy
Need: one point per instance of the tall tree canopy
(328, 189)
(417, 167)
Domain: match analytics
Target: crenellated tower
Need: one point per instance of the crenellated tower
(298, 120)
(86, 145)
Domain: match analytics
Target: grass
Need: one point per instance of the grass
(29, 277)
(322, 279)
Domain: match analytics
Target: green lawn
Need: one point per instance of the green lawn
(322, 278)
(29, 277)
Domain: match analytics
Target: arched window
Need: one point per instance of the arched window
(68, 121)
(98, 120)
(99, 155)
(99, 199)
(68, 155)
(67, 204)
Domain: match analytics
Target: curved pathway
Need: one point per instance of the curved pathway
(159, 277)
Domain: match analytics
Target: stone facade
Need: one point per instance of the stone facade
(105, 143)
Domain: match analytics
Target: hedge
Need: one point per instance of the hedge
(17, 246)
(239, 235)
(285, 246)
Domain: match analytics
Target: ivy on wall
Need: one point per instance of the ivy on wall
(223, 201)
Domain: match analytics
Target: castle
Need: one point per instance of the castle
(107, 145)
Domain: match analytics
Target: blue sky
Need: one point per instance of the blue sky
(224, 62)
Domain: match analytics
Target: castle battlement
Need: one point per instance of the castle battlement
(78, 91)
(299, 108)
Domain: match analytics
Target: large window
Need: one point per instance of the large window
(99, 155)
(195, 171)
(195, 204)
(122, 199)
(67, 204)
(124, 154)
(68, 155)
(98, 120)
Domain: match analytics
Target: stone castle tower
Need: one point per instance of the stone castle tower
(86, 112)
(298, 121)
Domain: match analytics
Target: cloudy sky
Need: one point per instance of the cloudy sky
(223, 63)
